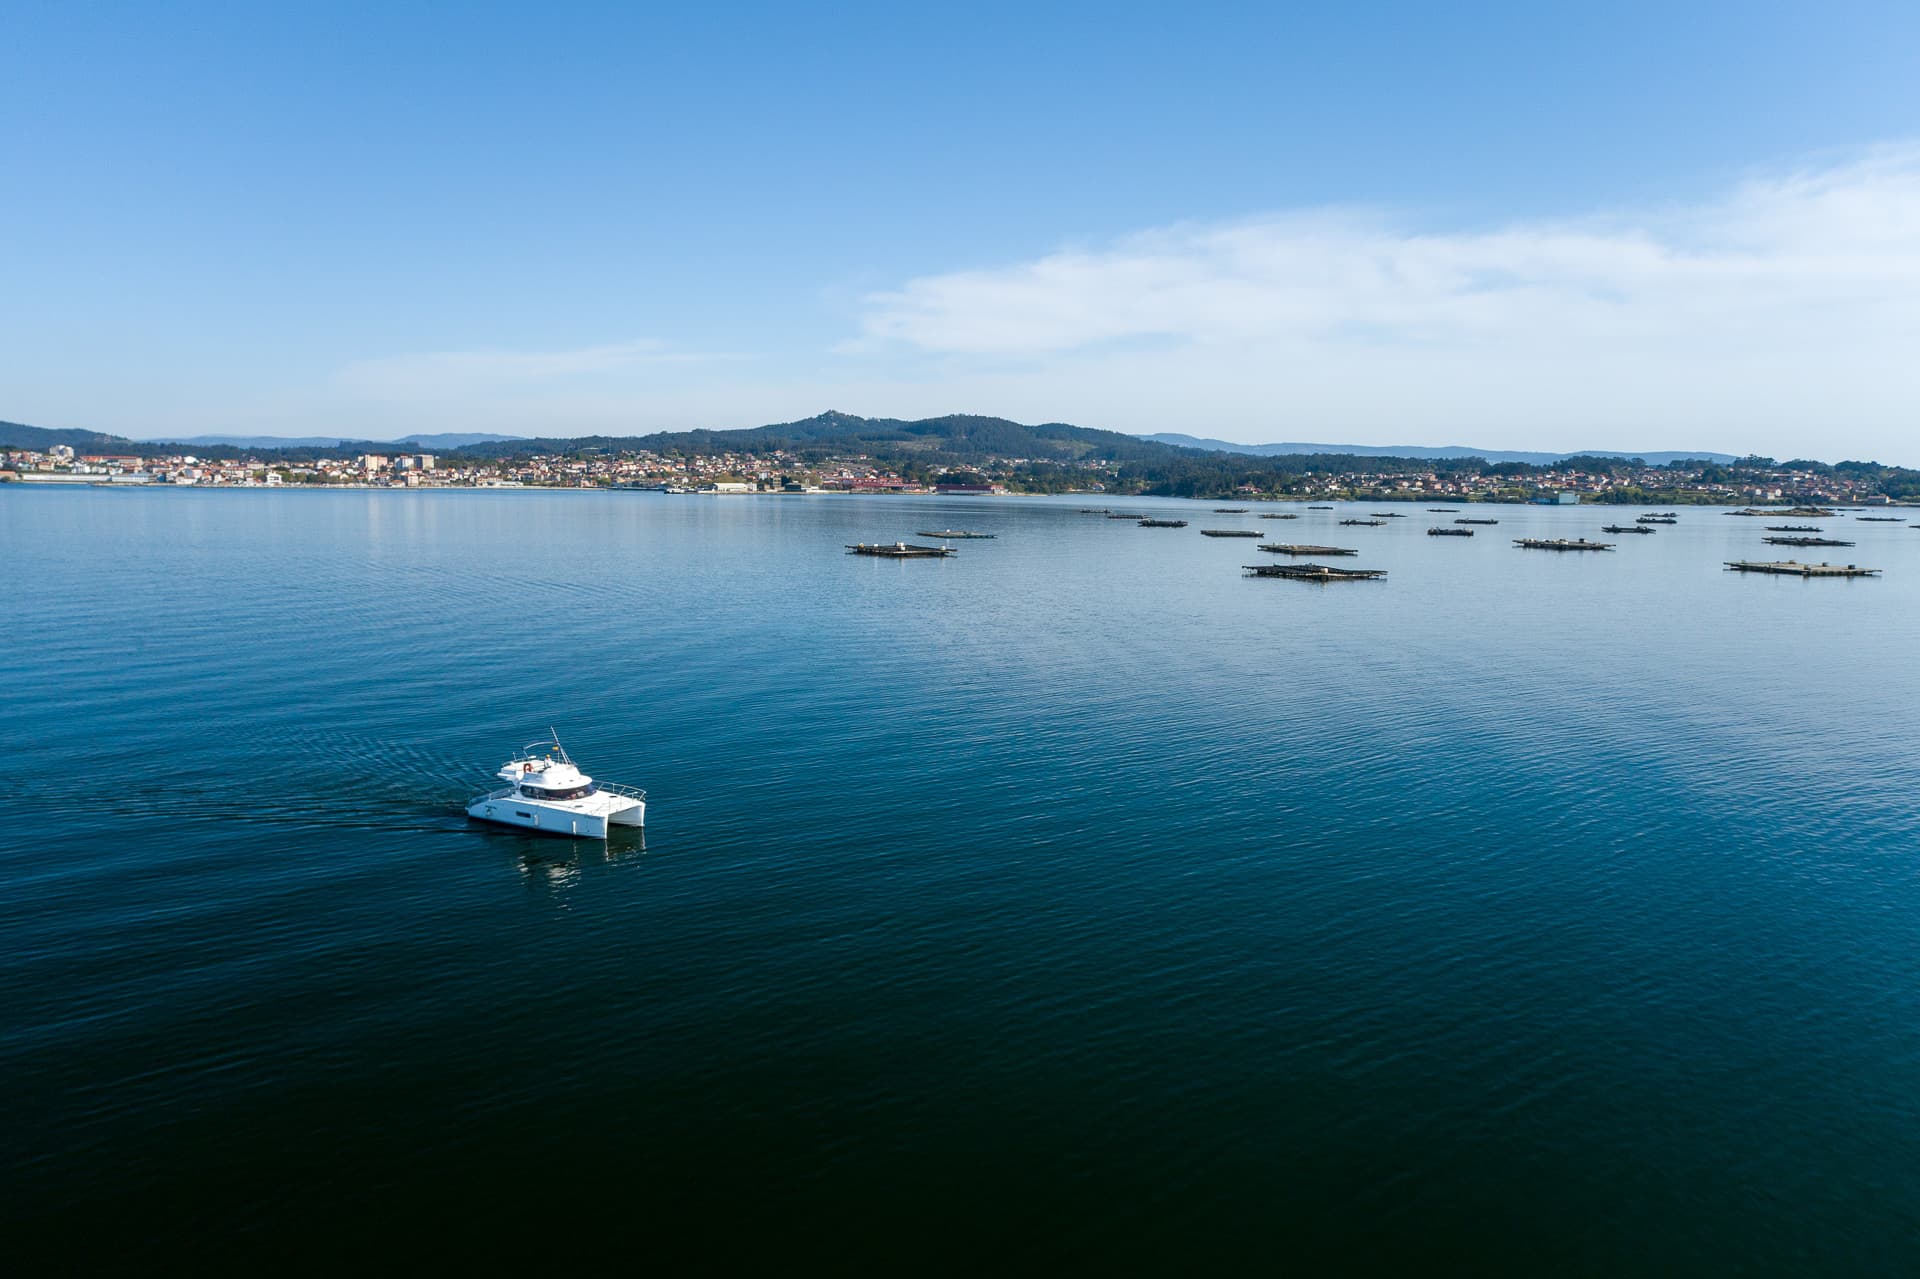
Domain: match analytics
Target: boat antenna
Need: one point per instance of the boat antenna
(556, 743)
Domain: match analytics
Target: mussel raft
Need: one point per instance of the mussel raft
(1560, 544)
(1286, 548)
(1794, 568)
(900, 550)
(1314, 572)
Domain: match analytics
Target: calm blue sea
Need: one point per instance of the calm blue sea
(1072, 901)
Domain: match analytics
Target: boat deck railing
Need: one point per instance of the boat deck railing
(625, 792)
(599, 788)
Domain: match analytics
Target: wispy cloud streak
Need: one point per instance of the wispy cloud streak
(1816, 256)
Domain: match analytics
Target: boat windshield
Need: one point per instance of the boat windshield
(558, 792)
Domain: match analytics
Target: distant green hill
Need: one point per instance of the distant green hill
(1426, 451)
(954, 439)
(18, 435)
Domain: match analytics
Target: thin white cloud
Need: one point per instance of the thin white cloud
(447, 374)
(1775, 263)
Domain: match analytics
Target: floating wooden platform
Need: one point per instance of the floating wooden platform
(1314, 572)
(1387, 515)
(1231, 532)
(1793, 528)
(1803, 512)
(957, 533)
(1625, 528)
(1794, 568)
(900, 550)
(1362, 523)
(1880, 519)
(1230, 510)
(1449, 532)
(1467, 521)
(1285, 548)
(1656, 519)
(1125, 515)
(1163, 523)
(1561, 544)
(1804, 541)
(1289, 515)
(1319, 508)
(1441, 510)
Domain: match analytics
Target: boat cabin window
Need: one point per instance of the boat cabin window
(558, 792)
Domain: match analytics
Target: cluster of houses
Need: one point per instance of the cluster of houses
(60, 464)
(1570, 484)
(708, 473)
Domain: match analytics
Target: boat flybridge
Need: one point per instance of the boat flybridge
(546, 792)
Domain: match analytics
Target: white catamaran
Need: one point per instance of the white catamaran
(546, 792)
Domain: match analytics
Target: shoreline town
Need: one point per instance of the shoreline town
(791, 472)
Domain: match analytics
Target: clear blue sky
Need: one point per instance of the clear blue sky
(300, 219)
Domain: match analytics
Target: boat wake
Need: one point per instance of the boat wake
(327, 778)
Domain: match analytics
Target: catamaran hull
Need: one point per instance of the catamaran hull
(548, 819)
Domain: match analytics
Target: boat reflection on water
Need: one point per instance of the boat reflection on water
(555, 863)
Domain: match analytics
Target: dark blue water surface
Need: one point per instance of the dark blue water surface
(1075, 900)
